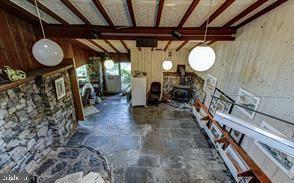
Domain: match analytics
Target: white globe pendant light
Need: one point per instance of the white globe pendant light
(108, 64)
(46, 51)
(202, 57)
(167, 65)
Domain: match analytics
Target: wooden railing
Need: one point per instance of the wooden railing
(254, 170)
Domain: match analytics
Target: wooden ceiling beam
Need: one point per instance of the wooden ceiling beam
(159, 12)
(198, 44)
(245, 12)
(60, 31)
(97, 45)
(131, 12)
(210, 43)
(188, 13)
(68, 4)
(221, 9)
(182, 45)
(101, 9)
(125, 45)
(167, 45)
(19, 12)
(262, 12)
(49, 12)
(111, 45)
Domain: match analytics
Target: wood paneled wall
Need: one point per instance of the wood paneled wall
(150, 62)
(16, 41)
(261, 60)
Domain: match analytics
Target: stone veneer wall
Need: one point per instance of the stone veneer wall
(32, 121)
(171, 79)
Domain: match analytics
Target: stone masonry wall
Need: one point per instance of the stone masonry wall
(32, 121)
(171, 79)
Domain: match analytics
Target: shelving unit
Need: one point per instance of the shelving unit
(245, 166)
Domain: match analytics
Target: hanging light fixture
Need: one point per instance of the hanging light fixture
(108, 63)
(46, 51)
(202, 57)
(167, 64)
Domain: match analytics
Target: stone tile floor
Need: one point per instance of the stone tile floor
(151, 144)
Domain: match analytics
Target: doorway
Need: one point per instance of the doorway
(118, 78)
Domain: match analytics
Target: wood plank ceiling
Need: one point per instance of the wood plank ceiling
(117, 23)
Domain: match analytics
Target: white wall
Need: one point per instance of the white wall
(261, 60)
(151, 62)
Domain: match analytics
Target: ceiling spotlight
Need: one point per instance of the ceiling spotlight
(177, 35)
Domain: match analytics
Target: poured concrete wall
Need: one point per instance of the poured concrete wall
(261, 60)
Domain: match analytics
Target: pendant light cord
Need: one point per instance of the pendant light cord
(38, 12)
(207, 22)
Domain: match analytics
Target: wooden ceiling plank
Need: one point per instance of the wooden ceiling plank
(68, 4)
(111, 45)
(49, 12)
(131, 12)
(101, 9)
(167, 45)
(221, 9)
(188, 13)
(82, 45)
(125, 45)
(245, 12)
(159, 13)
(97, 45)
(182, 45)
(19, 12)
(262, 12)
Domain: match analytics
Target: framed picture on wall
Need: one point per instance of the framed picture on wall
(248, 100)
(210, 83)
(201, 95)
(224, 104)
(236, 136)
(284, 161)
(60, 88)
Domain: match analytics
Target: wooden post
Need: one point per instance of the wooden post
(75, 89)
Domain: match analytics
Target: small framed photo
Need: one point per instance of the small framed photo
(60, 88)
(210, 83)
(236, 136)
(248, 100)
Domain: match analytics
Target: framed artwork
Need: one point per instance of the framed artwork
(284, 161)
(215, 132)
(201, 95)
(249, 101)
(60, 88)
(236, 164)
(236, 136)
(220, 105)
(210, 83)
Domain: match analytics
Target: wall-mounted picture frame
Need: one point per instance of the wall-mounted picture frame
(201, 95)
(236, 136)
(249, 101)
(284, 161)
(210, 83)
(215, 132)
(60, 88)
(224, 104)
